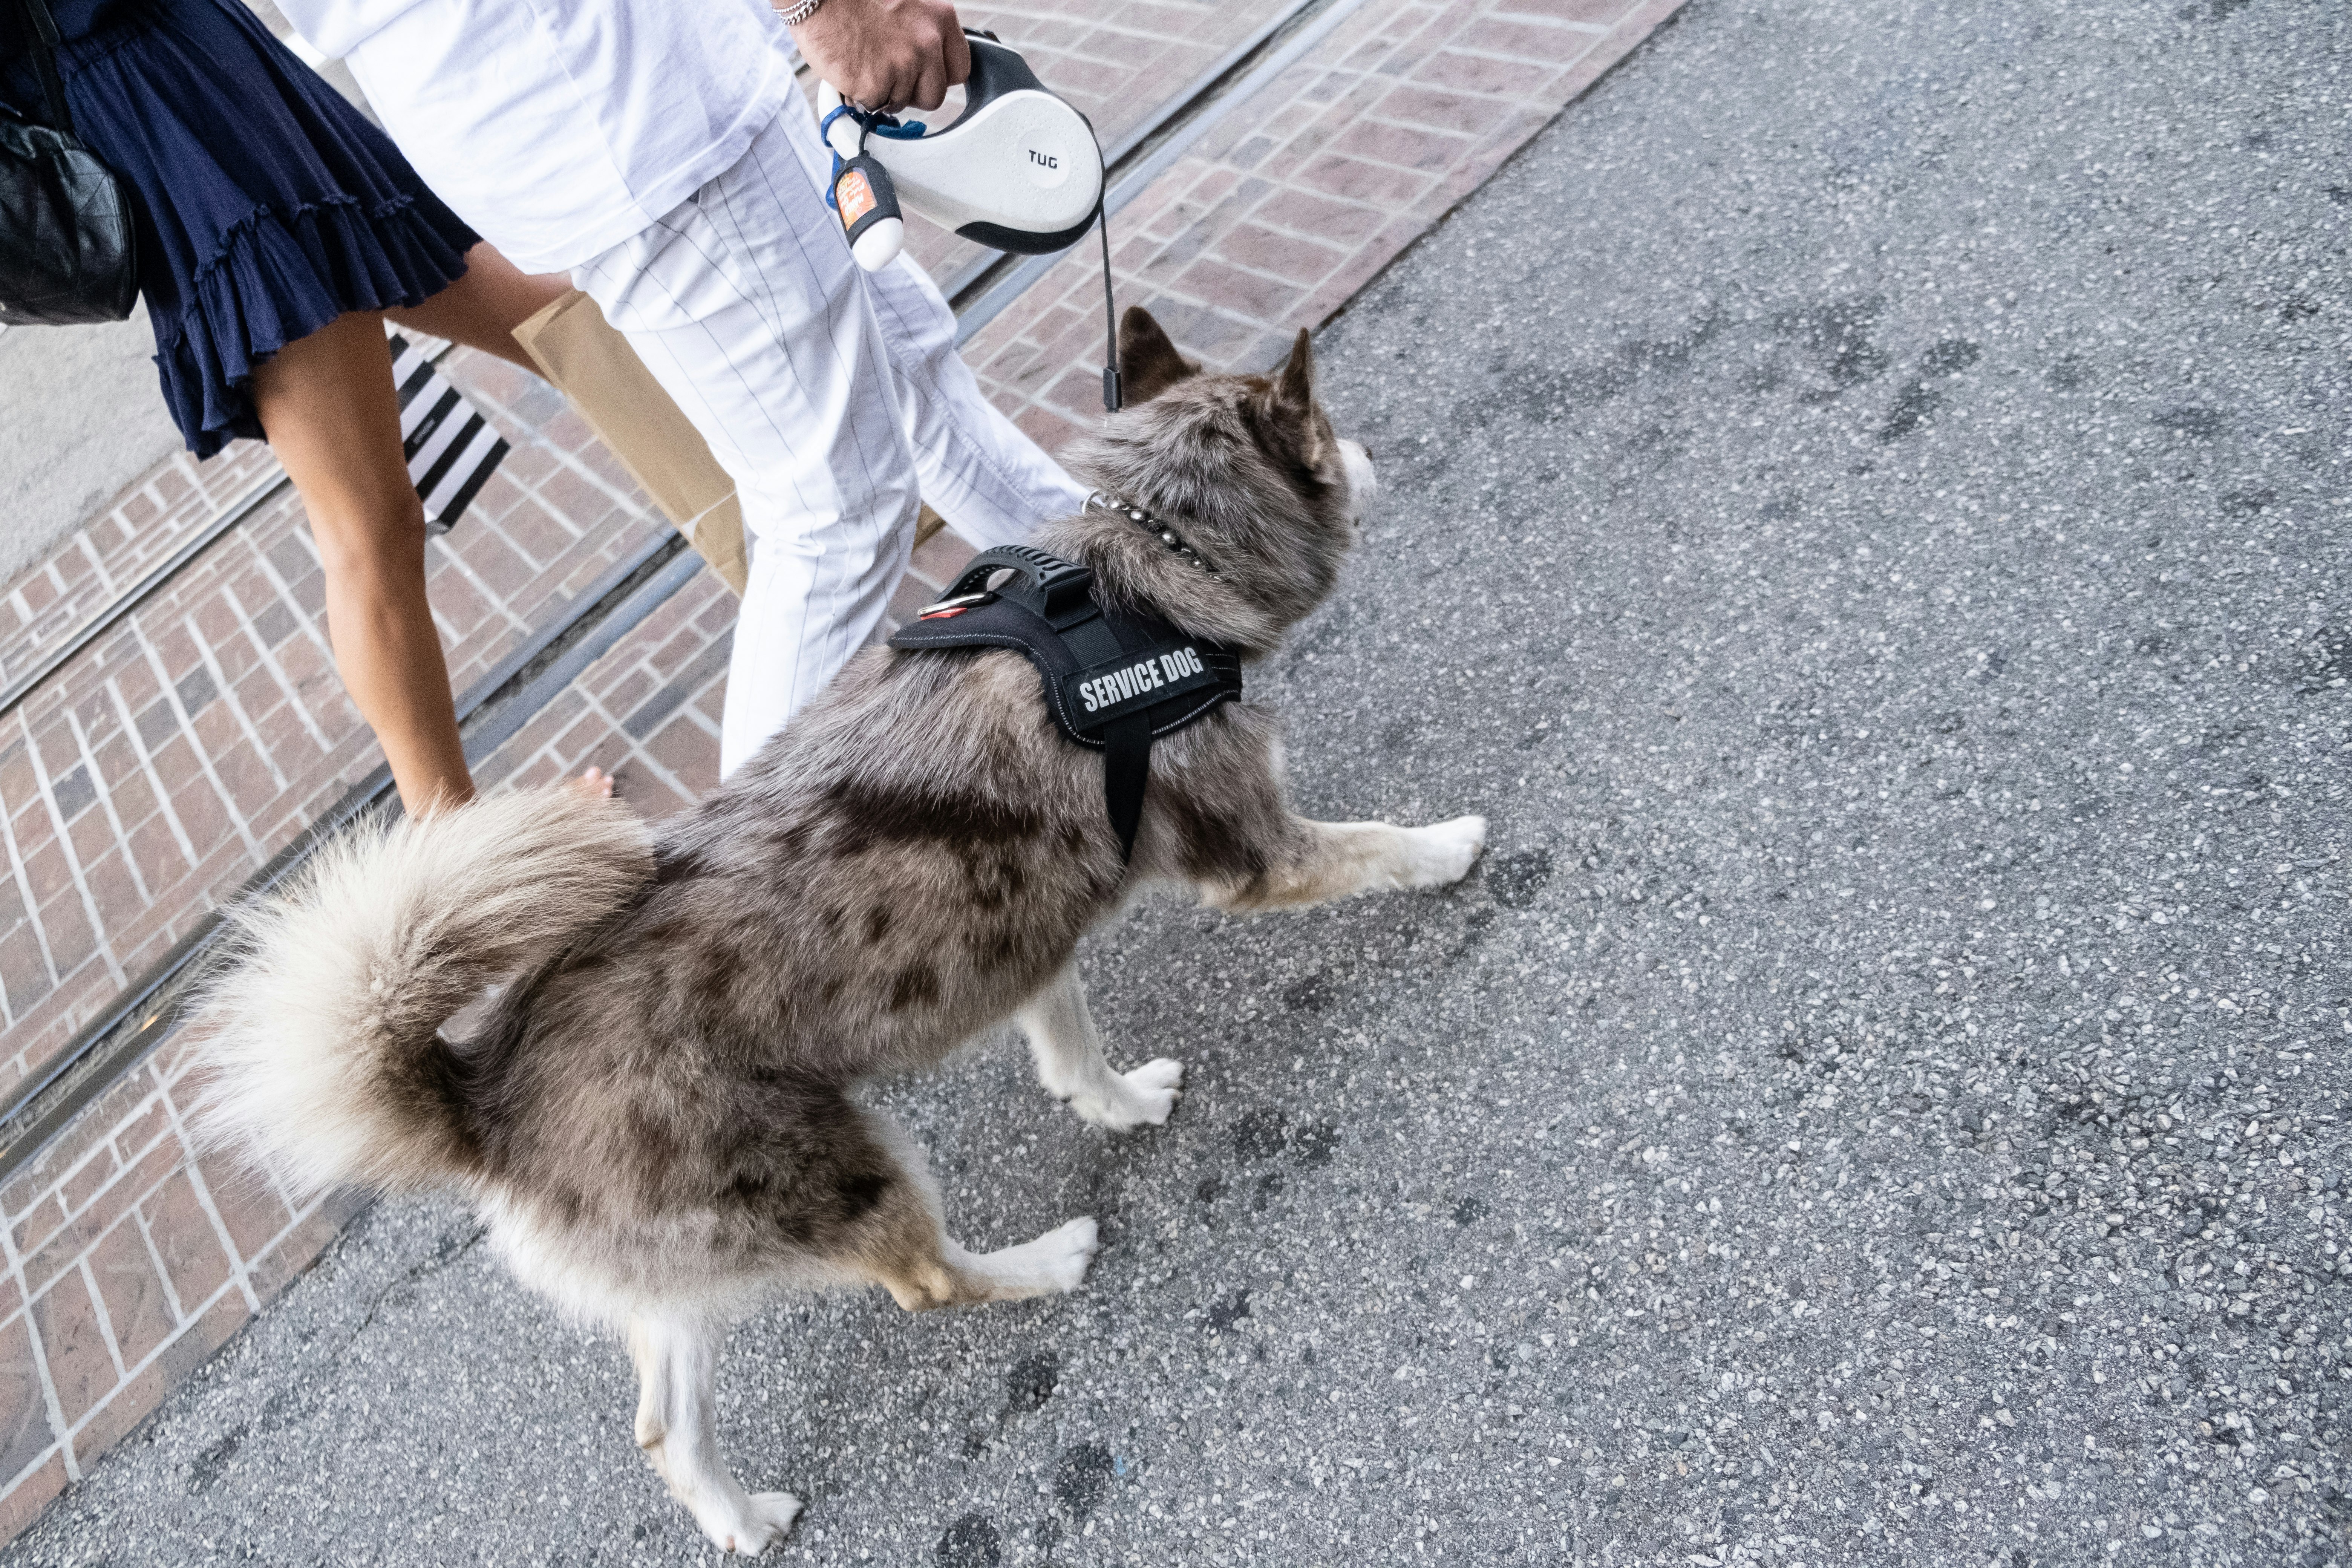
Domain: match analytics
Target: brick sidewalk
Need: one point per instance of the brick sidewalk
(111, 551)
(167, 763)
(137, 1262)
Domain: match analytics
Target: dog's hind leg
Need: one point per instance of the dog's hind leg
(1325, 860)
(904, 1249)
(1071, 1064)
(678, 1361)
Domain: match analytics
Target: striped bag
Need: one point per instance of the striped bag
(452, 449)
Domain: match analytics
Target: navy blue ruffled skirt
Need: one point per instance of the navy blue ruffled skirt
(269, 204)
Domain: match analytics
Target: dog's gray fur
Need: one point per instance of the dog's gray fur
(657, 1118)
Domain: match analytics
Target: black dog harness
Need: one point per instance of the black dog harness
(1114, 682)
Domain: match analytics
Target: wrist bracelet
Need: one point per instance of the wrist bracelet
(794, 14)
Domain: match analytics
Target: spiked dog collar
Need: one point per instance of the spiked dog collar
(1103, 501)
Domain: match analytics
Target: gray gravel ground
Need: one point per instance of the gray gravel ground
(1866, 517)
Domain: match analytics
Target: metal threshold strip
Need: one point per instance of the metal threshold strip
(498, 705)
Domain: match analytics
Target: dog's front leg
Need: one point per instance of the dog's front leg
(1071, 1064)
(1320, 861)
(677, 1361)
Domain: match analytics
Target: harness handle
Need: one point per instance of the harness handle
(1059, 591)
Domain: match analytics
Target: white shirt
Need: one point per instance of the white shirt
(557, 128)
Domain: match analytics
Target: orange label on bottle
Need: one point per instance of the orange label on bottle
(855, 196)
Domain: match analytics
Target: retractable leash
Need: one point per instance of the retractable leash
(1019, 170)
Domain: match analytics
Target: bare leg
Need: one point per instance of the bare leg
(482, 308)
(1336, 859)
(1071, 1066)
(677, 1361)
(327, 403)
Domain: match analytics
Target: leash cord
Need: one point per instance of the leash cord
(1114, 394)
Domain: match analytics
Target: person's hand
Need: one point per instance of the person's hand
(888, 54)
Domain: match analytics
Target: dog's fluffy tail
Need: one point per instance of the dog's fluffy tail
(325, 1060)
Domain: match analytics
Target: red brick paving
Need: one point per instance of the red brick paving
(141, 1261)
(177, 754)
(161, 767)
(121, 544)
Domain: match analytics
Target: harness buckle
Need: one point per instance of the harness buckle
(956, 606)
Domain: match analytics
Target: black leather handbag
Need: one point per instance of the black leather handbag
(68, 248)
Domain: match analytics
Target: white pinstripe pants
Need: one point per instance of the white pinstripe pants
(835, 399)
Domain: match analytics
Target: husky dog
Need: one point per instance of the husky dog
(658, 1120)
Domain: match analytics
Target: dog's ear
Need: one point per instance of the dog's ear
(1291, 400)
(1148, 363)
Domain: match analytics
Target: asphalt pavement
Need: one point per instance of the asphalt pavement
(1865, 514)
(80, 417)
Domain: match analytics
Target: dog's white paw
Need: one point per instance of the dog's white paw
(1052, 1265)
(1144, 1097)
(1064, 1253)
(767, 1519)
(1444, 852)
(1157, 1084)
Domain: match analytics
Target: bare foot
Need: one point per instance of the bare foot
(596, 784)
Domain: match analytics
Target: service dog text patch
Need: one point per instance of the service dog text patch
(1133, 682)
